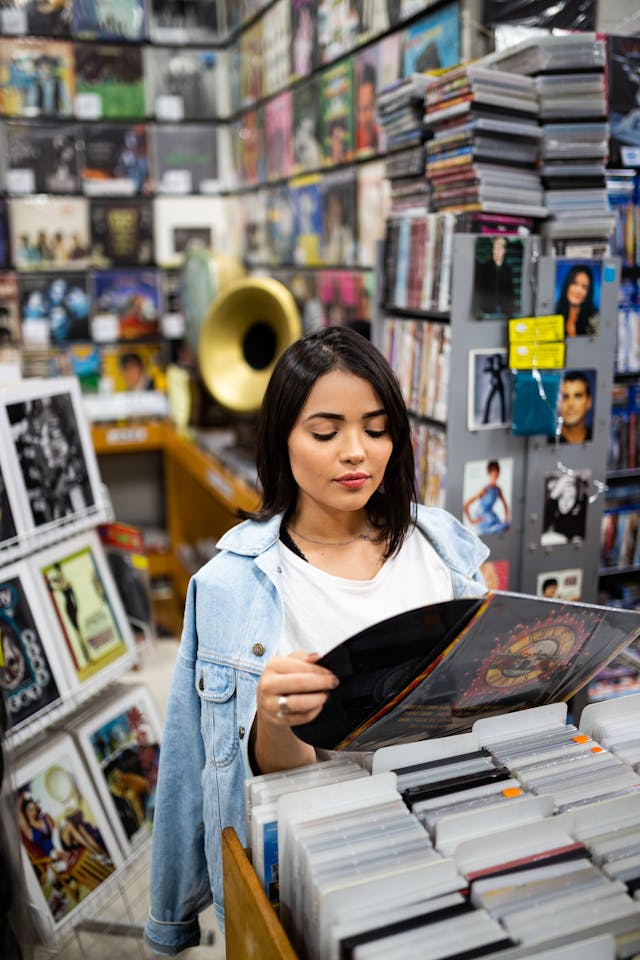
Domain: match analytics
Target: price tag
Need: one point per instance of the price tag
(172, 326)
(544, 356)
(177, 181)
(14, 20)
(210, 186)
(105, 327)
(119, 435)
(536, 329)
(169, 108)
(21, 181)
(630, 156)
(88, 106)
(35, 332)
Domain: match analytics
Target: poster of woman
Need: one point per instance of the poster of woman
(577, 296)
(488, 492)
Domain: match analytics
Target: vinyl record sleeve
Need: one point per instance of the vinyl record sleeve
(121, 232)
(109, 19)
(434, 671)
(126, 304)
(38, 78)
(83, 606)
(116, 161)
(181, 83)
(109, 81)
(49, 233)
(54, 307)
(182, 222)
(185, 158)
(190, 21)
(43, 158)
(121, 747)
(31, 677)
(68, 847)
(47, 448)
(35, 18)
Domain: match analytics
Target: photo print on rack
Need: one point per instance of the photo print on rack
(497, 281)
(489, 390)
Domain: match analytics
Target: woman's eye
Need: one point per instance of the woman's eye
(323, 437)
(376, 433)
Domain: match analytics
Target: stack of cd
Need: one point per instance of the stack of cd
(568, 72)
(484, 147)
(399, 107)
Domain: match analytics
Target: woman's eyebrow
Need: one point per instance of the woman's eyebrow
(339, 416)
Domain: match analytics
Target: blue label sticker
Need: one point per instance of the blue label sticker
(609, 273)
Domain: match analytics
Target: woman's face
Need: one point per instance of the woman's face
(339, 446)
(578, 289)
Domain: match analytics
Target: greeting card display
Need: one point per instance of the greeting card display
(31, 677)
(50, 233)
(68, 847)
(121, 746)
(47, 445)
(43, 158)
(82, 603)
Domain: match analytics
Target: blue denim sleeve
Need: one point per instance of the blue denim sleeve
(180, 887)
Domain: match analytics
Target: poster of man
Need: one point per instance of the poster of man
(497, 277)
(565, 507)
(576, 406)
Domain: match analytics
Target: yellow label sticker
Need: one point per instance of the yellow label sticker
(541, 356)
(536, 329)
(139, 561)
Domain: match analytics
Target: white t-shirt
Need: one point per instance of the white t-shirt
(321, 610)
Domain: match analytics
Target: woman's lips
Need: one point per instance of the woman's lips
(353, 481)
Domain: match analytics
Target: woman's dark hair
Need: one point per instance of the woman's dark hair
(584, 325)
(294, 375)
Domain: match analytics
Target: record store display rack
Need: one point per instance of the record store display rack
(75, 738)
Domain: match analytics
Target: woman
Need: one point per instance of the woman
(576, 303)
(335, 545)
(485, 517)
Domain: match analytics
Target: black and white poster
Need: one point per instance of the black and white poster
(489, 391)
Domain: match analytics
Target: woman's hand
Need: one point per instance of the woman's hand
(291, 690)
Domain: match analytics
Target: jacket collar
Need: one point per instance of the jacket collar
(251, 537)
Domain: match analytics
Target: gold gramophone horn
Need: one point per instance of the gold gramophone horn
(243, 334)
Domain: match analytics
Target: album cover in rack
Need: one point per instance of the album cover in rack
(276, 47)
(304, 47)
(280, 225)
(82, 603)
(307, 136)
(435, 670)
(10, 525)
(36, 19)
(109, 82)
(189, 21)
(623, 55)
(129, 565)
(126, 304)
(9, 310)
(368, 132)
(30, 675)
(38, 78)
(69, 850)
(181, 83)
(180, 223)
(251, 64)
(42, 158)
(121, 232)
(374, 204)
(336, 97)
(121, 747)
(433, 42)
(278, 136)
(339, 221)
(339, 29)
(49, 233)
(47, 449)
(54, 307)
(79, 360)
(109, 20)
(116, 161)
(307, 207)
(252, 146)
(254, 211)
(132, 367)
(185, 158)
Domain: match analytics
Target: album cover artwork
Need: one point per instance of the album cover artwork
(50, 233)
(578, 288)
(121, 232)
(47, 446)
(8, 525)
(180, 223)
(344, 296)
(234, 74)
(339, 221)
(69, 849)
(623, 80)
(186, 21)
(131, 297)
(252, 146)
(38, 78)
(51, 18)
(55, 308)
(374, 204)
(488, 495)
(79, 360)
(121, 745)
(496, 574)
(254, 209)
(339, 28)
(565, 507)
(132, 367)
(125, 552)
(278, 129)
(80, 597)
(30, 678)
(307, 208)
(489, 389)
(43, 158)
(433, 42)
(280, 225)
(276, 47)
(181, 83)
(498, 277)
(560, 584)
(109, 82)
(116, 161)
(484, 657)
(368, 133)
(185, 158)
(304, 47)
(5, 250)
(375, 19)
(336, 97)
(109, 19)
(307, 137)
(251, 64)
(9, 310)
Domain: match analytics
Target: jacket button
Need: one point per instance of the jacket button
(201, 682)
(258, 649)
(241, 732)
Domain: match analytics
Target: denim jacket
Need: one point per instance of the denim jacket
(232, 625)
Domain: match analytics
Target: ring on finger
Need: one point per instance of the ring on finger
(283, 707)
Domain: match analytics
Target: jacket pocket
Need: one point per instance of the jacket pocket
(216, 686)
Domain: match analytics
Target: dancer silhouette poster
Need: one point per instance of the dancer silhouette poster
(489, 391)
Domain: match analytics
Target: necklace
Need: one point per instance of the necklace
(331, 543)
